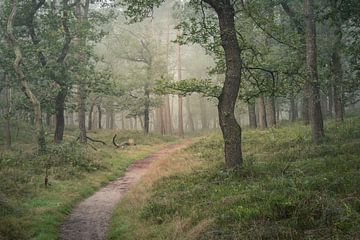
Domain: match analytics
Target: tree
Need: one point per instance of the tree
(312, 84)
(225, 13)
(25, 87)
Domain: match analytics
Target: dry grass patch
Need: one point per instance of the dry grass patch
(128, 221)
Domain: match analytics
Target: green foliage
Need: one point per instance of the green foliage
(189, 86)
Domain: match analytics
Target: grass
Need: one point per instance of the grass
(287, 189)
(29, 210)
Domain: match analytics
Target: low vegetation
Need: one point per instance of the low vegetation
(29, 209)
(288, 188)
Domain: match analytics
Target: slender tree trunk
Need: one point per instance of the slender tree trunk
(123, 121)
(293, 108)
(168, 121)
(100, 116)
(23, 80)
(157, 122)
(111, 118)
(180, 116)
(190, 117)
(107, 118)
(323, 104)
(336, 70)
(271, 112)
(252, 115)
(81, 113)
(203, 114)
(7, 115)
(262, 113)
(330, 101)
(81, 13)
(180, 98)
(59, 115)
(90, 118)
(162, 120)
(48, 120)
(229, 126)
(147, 110)
(312, 85)
(142, 124)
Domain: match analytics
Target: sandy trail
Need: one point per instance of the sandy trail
(90, 219)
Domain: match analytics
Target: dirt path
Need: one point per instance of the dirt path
(90, 219)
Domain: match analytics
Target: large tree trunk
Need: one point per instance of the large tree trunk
(252, 115)
(229, 126)
(262, 113)
(305, 110)
(59, 115)
(35, 103)
(271, 112)
(312, 85)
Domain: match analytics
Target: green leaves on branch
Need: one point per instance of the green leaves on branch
(137, 10)
(187, 87)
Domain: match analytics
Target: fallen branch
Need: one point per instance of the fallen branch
(114, 141)
(94, 140)
(124, 144)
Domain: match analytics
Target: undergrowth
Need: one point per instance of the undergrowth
(288, 188)
(29, 209)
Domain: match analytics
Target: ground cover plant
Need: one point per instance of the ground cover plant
(30, 210)
(287, 189)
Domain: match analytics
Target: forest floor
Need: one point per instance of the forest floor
(288, 188)
(28, 209)
(90, 218)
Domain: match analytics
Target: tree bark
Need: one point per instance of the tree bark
(100, 116)
(312, 85)
(262, 113)
(190, 117)
(147, 110)
(81, 13)
(271, 112)
(90, 118)
(305, 110)
(59, 116)
(229, 126)
(336, 70)
(330, 100)
(7, 115)
(180, 98)
(81, 113)
(252, 115)
(23, 80)
(168, 121)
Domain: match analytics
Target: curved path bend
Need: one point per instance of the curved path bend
(90, 219)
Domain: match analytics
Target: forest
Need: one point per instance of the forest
(179, 119)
